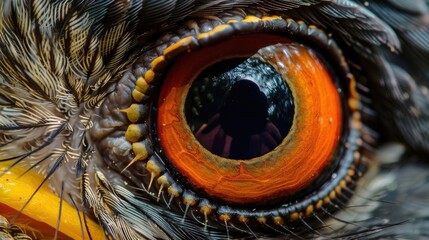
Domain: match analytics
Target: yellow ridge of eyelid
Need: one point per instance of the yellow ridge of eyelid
(309, 210)
(189, 200)
(262, 220)
(138, 96)
(149, 76)
(178, 46)
(278, 220)
(207, 209)
(319, 204)
(133, 112)
(243, 219)
(225, 217)
(163, 180)
(214, 31)
(294, 216)
(354, 103)
(15, 192)
(332, 195)
(153, 168)
(140, 150)
(356, 121)
(173, 191)
(219, 28)
(158, 64)
(134, 132)
(142, 85)
(270, 18)
(184, 45)
(251, 19)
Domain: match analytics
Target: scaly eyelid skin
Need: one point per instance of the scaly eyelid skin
(161, 177)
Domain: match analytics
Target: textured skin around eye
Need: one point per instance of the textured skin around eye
(59, 60)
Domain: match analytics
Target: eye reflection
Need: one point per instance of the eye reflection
(241, 129)
(242, 112)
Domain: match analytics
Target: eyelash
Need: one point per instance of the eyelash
(322, 203)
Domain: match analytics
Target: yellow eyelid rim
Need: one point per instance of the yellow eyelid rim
(177, 49)
(15, 192)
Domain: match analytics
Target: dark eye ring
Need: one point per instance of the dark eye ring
(343, 173)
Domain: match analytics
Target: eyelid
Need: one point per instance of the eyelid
(168, 50)
(350, 167)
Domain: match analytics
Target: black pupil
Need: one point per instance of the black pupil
(239, 109)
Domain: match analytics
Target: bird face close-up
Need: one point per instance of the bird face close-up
(197, 119)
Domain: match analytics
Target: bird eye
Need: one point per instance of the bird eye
(247, 127)
(236, 152)
(206, 119)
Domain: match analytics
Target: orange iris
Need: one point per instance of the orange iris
(292, 166)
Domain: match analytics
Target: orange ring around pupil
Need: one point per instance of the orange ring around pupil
(292, 166)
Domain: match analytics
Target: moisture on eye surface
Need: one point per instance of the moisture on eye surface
(239, 108)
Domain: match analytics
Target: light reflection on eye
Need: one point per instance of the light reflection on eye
(226, 111)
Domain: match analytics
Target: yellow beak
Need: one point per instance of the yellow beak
(40, 216)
